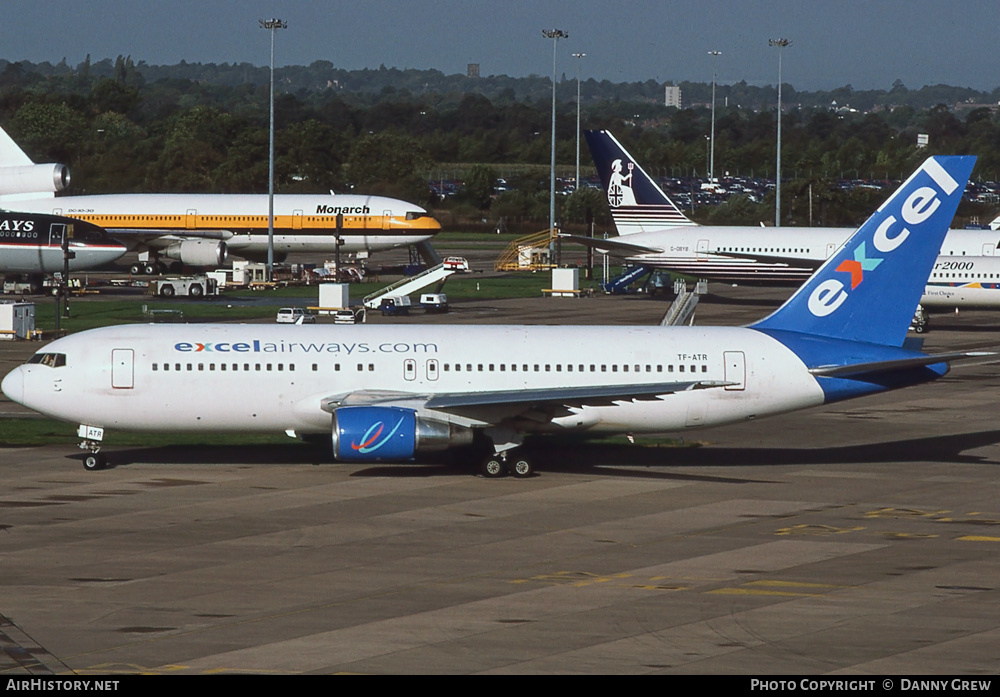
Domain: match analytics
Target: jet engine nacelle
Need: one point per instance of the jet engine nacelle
(371, 434)
(33, 179)
(197, 252)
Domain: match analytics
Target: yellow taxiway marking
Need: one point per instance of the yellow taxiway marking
(815, 530)
(771, 587)
(903, 513)
(979, 538)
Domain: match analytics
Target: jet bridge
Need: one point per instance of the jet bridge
(406, 286)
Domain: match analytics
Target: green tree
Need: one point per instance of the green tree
(477, 187)
(390, 164)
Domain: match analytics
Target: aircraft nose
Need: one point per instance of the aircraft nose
(13, 385)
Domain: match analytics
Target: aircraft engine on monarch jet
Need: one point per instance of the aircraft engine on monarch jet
(373, 434)
(197, 252)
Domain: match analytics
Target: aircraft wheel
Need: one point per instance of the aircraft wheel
(94, 462)
(494, 467)
(919, 329)
(135, 269)
(167, 291)
(149, 269)
(521, 467)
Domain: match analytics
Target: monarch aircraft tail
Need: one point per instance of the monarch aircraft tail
(637, 203)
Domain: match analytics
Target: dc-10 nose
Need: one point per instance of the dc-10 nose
(13, 385)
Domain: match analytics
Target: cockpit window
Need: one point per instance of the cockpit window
(413, 215)
(53, 360)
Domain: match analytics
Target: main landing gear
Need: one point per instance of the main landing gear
(502, 464)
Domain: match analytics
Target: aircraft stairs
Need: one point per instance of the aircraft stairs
(620, 284)
(528, 253)
(406, 286)
(682, 309)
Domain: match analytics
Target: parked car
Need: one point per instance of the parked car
(345, 317)
(293, 315)
(459, 264)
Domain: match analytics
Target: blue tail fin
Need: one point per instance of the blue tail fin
(637, 203)
(869, 289)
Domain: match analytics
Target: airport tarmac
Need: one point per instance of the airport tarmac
(857, 539)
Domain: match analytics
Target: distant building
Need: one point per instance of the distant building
(472, 70)
(672, 96)
(923, 140)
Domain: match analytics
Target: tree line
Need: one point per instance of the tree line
(127, 127)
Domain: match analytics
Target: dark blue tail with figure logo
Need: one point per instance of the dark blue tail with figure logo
(637, 203)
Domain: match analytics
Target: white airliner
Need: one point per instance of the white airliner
(32, 244)
(392, 392)
(967, 282)
(653, 232)
(199, 229)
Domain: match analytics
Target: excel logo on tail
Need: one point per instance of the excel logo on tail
(889, 235)
(858, 265)
(373, 438)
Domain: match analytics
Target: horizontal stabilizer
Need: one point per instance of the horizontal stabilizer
(897, 364)
(614, 245)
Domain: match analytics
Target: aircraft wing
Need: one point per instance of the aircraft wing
(494, 406)
(164, 238)
(812, 264)
(614, 245)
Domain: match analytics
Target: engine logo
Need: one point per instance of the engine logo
(370, 441)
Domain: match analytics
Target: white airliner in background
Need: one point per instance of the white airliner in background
(966, 282)
(392, 392)
(653, 232)
(199, 229)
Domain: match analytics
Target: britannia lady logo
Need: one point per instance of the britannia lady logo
(620, 186)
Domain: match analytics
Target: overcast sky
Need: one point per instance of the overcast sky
(867, 44)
